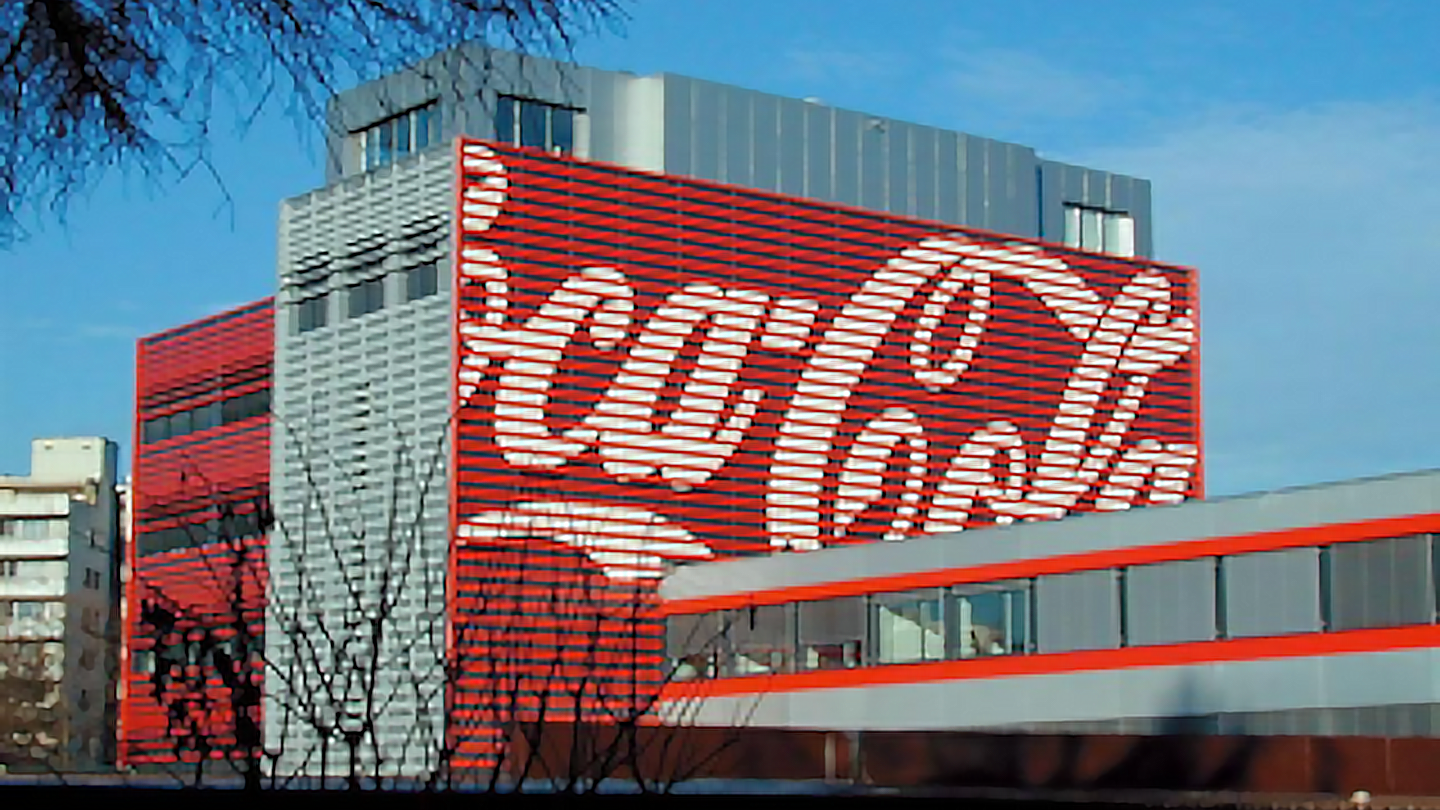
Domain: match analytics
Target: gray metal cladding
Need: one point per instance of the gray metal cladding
(1272, 593)
(1383, 583)
(1366, 499)
(1274, 696)
(1170, 603)
(734, 135)
(791, 145)
(1079, 611)
(361, 407)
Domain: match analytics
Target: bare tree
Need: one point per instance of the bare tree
(87, 86)
(387, 674)
(391, 672)
(34, 733)
(205, 638)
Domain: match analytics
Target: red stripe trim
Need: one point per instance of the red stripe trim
(1300, 537)
(1207, 652)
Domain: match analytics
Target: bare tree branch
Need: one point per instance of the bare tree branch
(87, 86)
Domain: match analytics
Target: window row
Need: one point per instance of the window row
(526, 122)
(1100, 231)
(205, 417)
(33, 570)
(201, 532)
(364, 298)
(31, 611)
(1346, 586)
(208, 651)
(34, 528)
(394, 138)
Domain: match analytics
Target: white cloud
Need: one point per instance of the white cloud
(1023, 85)
(842, 66)
(1317, 236)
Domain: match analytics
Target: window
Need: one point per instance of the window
(422, 281)
(1170, 602)
(832, 633)
(311, 314)
(9, 568)
(762, 639)
(1099, 230)
(245, 406)
(206, 417)
(1271, 593)
(143, 662)
(1379, 583)
(156, 430)
(92, 579)
(909, 627)
(990, 619)
(366, 297)
(535, 124)
(29, 611)
(1079, 611)
(696, 645)
(394, 138)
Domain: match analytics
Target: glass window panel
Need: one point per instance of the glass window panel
(1090, 229)
(421, 282)
(909, 627)
(422, 126)
(1170, 603)
(1380, 583)
(230, 410)
(1120, 234)
(157, 429)
(206, 417)
(1072, 225)
(762, 640)
(562, 130)
(386, 132)
(990, 619)
(1270, 593)
(1078, 611)
(372, 149)
(505, 120)
(694, 644)
(402, 134)
(179, 423)
(366, 297)
(832, 633)
(533, 124)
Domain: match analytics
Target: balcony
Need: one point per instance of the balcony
(50, 547)
(28, 629)
(37, 588)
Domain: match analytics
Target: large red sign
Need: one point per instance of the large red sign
(655, 368)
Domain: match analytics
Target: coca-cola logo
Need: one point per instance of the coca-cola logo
(652, 369)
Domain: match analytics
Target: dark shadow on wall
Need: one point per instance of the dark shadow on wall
(1181, 751)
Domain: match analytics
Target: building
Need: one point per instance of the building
(59, 591)
(678, 125)
(1308, 612)
(393, 385)
(194, 603)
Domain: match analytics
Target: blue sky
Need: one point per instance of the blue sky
(1293, 147)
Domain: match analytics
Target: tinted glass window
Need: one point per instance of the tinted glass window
(562, 129)
(505, 120)
(533, 125)
(421, 282)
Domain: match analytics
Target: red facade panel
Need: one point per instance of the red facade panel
(195, 599)
(654, 369)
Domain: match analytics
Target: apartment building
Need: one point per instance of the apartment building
(59, 597)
